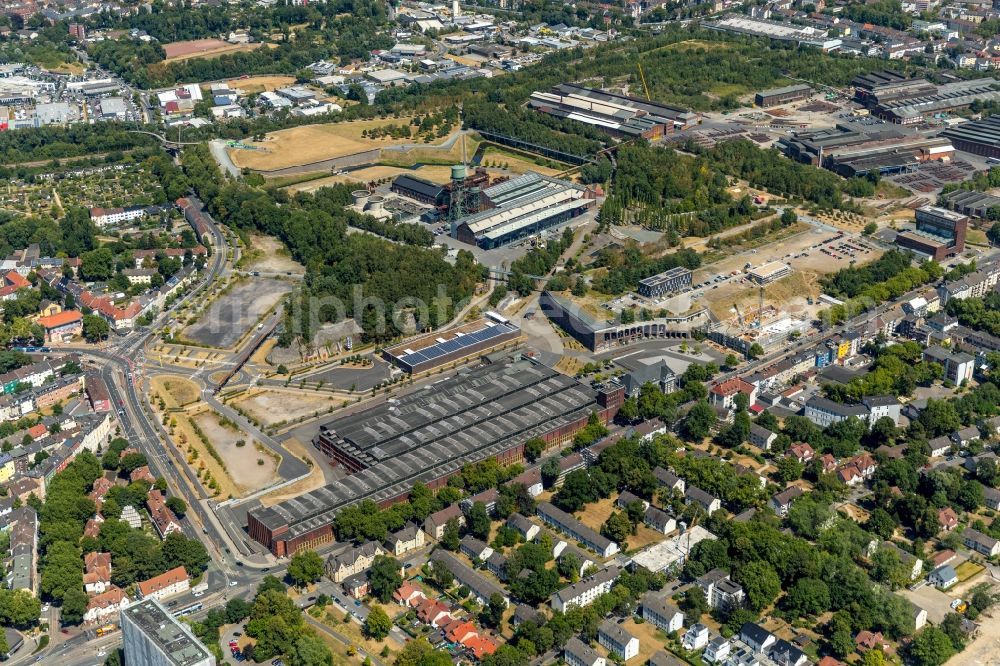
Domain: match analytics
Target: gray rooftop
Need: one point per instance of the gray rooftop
(169, 634)
(434, 432)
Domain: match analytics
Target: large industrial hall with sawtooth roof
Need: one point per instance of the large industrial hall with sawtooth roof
(489, 411)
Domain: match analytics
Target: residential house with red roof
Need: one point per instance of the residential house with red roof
(947, 519)
(106, 606)
(62, 326)
(408, 594)
(166, 585)
(164, 520)
(724, 394)
(801, 451)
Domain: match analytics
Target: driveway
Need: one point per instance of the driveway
(934, 601)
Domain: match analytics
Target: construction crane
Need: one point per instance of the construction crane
(642, 77)
(739, 315)
(760, 308)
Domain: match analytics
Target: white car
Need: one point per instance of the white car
(233, 583)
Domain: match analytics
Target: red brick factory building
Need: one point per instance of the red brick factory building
(488, 411)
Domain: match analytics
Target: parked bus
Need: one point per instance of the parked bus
(106, 629)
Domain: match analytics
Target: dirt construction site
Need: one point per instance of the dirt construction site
(809, 256)
(233, 313)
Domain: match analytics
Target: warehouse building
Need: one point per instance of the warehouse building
(771, 272)
(489, 411)
(972, 203)
(939, 233)
(779, 32)
(908, 101)
(438, 349)
(522, 207)
(420, 190)
(669, 282)
(850, 149)
(597, 335)
(887, 85)
(949, 97)
(979, 138)
(777, 96)
(621, 116)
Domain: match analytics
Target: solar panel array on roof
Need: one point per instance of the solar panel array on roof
(457, 343)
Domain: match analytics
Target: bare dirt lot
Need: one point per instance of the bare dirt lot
(255, 84)
(271, 256)
(232, 314)
(203, 48)
(273, 406)
(249, 468)
(313, 143)
(789, 294)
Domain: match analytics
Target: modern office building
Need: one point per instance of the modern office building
(597, 335)
(939, 233)
(488, 411)
(770, 272)
(154, 637)
(668, 282)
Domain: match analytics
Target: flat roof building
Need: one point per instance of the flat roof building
(781, 32)
(154, 637)
(939, 233)
(488, 411)
(770, 272)
(674, 280)
(776, 96)
(437, 349)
